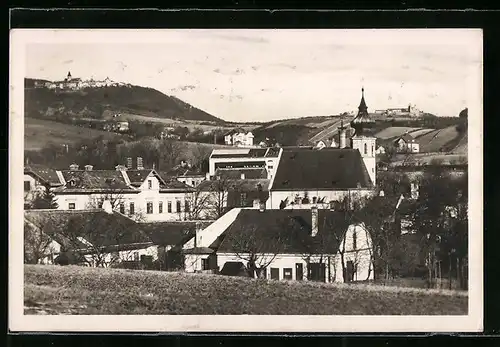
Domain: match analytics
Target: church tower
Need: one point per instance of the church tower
(362, 142)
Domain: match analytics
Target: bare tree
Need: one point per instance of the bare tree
(98, 240)
(38, 240)
(170, 152)
(115, 198)
(215, 194)
(257, 247)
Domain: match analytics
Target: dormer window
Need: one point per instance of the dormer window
(71, 183)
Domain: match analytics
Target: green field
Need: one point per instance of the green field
(80, 290)
(38, 133)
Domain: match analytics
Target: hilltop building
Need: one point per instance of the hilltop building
(72, 83)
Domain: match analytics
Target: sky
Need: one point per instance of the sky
(261, 75)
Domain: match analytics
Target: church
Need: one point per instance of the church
(308, 176)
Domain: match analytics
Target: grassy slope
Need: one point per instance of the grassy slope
(77, 290)
(93, 101)
(37, 133)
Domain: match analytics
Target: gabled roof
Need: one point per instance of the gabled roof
(406, 138)
(137, 177)
(325, 169)
(94, 180)
(112, 231)
(45, 175)
(250, 173)
(285, 232)
(171, 233)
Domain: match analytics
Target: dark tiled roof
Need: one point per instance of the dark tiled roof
(272, 152)
(173, 185)
(252, 153)
(285, 231)
(44, 174)
(181, 171)
(247, 185)
(113, 231)
(171, 233)
(94, 180)
(250, 173)
(328, 168)
(137, 177)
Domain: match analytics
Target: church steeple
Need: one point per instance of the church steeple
(363, 118)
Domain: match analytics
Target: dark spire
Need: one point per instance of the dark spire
(363, 117)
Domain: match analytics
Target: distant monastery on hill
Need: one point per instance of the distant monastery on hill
(70, 83)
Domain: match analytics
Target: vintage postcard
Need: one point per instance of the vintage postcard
(246, 180)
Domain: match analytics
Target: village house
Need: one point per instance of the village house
(406, 144)
(313, 244)
(37, 179)
(94, 237)
(239, 138)
(244, 158)
(185, 173)
(103, 237)
(140, 193)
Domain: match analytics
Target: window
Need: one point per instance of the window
(186, 206)
(169, 206)
(99, 204)
(373, 150)
(178, 206)
(287, 273)
(27, 186)
(366, 148)
(243, 199)
(71, 206)
(150, 184)
(149, 208)
(122, 208)
(132, 208)
(354, 240)
(205, 264)
(275, 273)
(160, 207)
(136, 256)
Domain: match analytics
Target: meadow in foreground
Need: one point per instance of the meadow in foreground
(80, 290)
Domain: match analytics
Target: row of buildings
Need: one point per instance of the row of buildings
(273, 210)
(75, 83)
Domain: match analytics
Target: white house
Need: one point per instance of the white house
(37, 178)
(285, 245)
(140, 193)
(407, 144)
(239, 139)
(244, 158)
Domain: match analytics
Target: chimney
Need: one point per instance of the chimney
(139, 163)
(88, 167)
(106, 206)
(342, 135)
(129, 163)
(242, 176)
(314, 221)
(73, 167)
(262, 206)
(381, 193)
(197, 236)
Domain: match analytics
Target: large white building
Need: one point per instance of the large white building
(140, 193)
